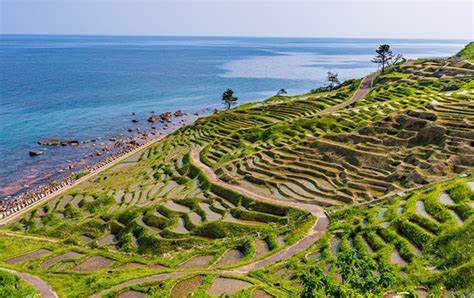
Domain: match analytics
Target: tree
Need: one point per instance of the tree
(397, 58)
(332, 79)
(228, 98)
(384, 56)
(281, 92)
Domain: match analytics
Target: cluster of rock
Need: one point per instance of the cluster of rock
(11, 205)
(165, 117)
(56, 142)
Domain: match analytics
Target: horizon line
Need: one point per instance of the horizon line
(227, 36)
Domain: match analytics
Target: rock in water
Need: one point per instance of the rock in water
(35, 153)
(56, 142)
(70, 143)
(153, 118)
(50, 142)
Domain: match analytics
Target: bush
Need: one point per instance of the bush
(219, 229)
(424, 222)
(255, 216)
(464, 211)
(12, 286)
(82, 174)
(128, 215)
(461, 279)
(374, 241)
(401, 244)
(460, 193)
(454, 247)
(156, 221)
(419, 237)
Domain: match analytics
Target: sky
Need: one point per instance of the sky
(436, 19)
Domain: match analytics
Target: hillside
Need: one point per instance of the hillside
(467, 52)
(337, 192)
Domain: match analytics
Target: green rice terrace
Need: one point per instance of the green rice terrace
(363, 190)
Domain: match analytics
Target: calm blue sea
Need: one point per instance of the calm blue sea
(83, 87)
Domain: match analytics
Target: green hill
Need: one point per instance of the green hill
(236, 203)
(467, 52)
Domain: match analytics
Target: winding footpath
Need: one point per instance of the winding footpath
(43, 288)
(313, 234)
(362, 91)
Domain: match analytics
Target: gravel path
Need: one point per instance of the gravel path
(363, 90)
(314, 234)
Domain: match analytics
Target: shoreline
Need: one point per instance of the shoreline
(12, 209)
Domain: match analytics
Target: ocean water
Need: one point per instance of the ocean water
(84, 87)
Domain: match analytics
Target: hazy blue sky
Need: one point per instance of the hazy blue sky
(310, 18)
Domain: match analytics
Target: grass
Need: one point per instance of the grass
(13, 286)
(467, 52)
(410, 132)
(448, 251)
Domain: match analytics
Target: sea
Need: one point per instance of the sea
(87, 87)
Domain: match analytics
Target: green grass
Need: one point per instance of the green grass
(467, 52)
(13, 286)
(410, 130)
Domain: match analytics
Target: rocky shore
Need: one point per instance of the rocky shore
(116, 148)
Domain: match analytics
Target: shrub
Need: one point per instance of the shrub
(255, 216)
(419, 237)
(463, 210)
(460, 193)
(128, 215)
(454, 246)
(13, 286)
(82, 174)
(156, 221)
(219, 229)
(424, 222)
(401, 244)
(374, 241)
(247, 248)
(461, 279)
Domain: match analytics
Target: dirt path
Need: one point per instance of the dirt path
(45, 290)
(362, 91)
(314, 234)
(9, 234)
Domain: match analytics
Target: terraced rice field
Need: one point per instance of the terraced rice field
(393, 171)
(360, 253)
